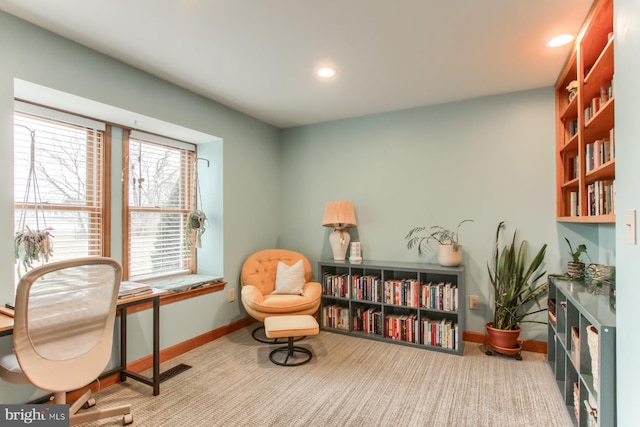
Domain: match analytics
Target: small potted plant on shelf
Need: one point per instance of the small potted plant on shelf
(575, 267)
(515, 287)
(449, 247)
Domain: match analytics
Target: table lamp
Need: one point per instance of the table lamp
(340, 215)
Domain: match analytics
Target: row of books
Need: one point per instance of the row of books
(599, 152)
(600, 197)
(574, 204)
(438, 333)
(367, 320)
(335, 316)
(441, 333)
(596, 103)
(336, 285)
(573, 128)
(575, 167)
(434, 296)
(440, 296)
(366, 288)
(402, 292)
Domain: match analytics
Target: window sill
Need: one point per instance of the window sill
(179, 291)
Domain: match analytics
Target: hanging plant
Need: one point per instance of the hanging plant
(30, 245)
(196, 219)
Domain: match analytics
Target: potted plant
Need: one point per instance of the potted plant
(449, 247)
(575, 267)
(30, 246)
(515, 286)
(196, 222)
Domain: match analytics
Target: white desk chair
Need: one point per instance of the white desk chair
(63, 331)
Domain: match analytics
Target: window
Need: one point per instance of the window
(66, 191)
(159, 195)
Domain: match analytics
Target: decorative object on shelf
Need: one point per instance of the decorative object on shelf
(515, 287)
(449, 248)
(572, 89)
(599, 274)
(592, 341)
(196, 219)
(32, 245)
(355, 253)
(340, 215)
(575, 267)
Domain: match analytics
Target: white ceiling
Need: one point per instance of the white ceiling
(259, 56)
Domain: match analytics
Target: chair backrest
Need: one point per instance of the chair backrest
(259, 269)
(64, 318)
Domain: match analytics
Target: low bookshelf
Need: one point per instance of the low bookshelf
(414, 304)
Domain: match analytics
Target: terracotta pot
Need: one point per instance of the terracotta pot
(447, 257)
(575, 270)
(503, 339)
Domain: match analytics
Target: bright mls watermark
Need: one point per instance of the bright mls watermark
(34, 415)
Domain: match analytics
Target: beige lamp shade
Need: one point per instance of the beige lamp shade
(339, 214)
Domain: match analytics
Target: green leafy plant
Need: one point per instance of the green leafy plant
(30, 246)
(419, 236)
(196, 222)
(575, 255)
(514, 283)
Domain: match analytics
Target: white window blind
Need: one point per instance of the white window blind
(159, 187)
(69, 166)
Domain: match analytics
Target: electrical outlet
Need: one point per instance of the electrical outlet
(474, 302)
(232, 295)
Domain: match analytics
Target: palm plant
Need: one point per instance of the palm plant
(514, 283)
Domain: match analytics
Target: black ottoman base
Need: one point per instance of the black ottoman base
(290, 355)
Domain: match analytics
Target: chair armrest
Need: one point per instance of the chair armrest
(312, 290)
(252, 294)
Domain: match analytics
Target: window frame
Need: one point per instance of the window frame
(127, 135)
(98, 192)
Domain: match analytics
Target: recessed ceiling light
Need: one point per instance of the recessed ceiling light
(326, 72)
(560, 40)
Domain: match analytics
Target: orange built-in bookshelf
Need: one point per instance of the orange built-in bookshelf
(585, 134)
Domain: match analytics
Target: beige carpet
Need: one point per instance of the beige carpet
(349, 382)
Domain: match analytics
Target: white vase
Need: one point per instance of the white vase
(448, 257)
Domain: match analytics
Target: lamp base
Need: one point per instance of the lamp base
(339, 240)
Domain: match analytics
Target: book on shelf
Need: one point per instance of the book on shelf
(574, 207)
(131, 289)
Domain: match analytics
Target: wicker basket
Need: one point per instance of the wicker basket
(575, 346)
(594, 351)
(576, 401)
(592, 414)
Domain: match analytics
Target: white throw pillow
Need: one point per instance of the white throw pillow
(289, 280)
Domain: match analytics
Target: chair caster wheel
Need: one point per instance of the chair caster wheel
(127, 419)
(89, 403)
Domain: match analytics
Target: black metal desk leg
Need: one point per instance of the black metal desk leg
(156, 346)
(123, 342)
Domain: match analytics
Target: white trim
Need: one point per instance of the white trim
(137, 134)
(40, 111)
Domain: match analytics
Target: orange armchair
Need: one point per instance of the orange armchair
(258, 281)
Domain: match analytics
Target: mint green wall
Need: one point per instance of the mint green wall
(488, 159)
(627, 94)
(249, 181)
